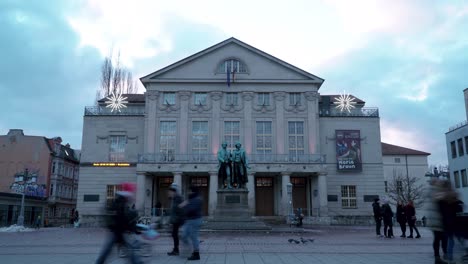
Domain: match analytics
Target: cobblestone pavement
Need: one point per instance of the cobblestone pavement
(331, 245)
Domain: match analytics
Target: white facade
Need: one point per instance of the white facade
(400, 161)
(457, 154)
(173, 132)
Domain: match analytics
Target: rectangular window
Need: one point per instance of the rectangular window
(457, 179)
(167, 140)
(110, 194)
(200, 98)
(466, 145)
(264, 138)
(296, 140)
(399, 186)
(461, 152)
(231, 133)
(464, 178)
(231, 98)
(348, 196)
(52, 189)
(263, 99)
(117, 148)
(386, 186)
(294, 98)
(53, 167)
(397, 160)
(199, 139)
(454, 149)
(169, 98)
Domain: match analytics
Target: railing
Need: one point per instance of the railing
(461, 124)
(105, 111)
(210, 158)
(355, 112)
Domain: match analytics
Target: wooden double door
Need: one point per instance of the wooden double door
(203, 187)
(264, 196)
(299, 193)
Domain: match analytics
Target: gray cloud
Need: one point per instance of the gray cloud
(46, 79)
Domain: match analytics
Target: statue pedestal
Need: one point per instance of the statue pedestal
(232, 213)
(233, 203)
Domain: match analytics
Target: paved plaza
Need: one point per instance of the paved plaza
(334, 245)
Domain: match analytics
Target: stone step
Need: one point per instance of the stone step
(236, 225)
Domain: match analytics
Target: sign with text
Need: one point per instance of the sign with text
(348, 150)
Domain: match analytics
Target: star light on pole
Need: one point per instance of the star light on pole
(116, 102)
(345, 102)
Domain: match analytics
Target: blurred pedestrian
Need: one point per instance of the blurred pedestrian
(410, 212)
(434, 220)
(387, 215)
(176, 216)
(377, 216)
(38, 222)
(76, 219)
(449, 207)
(123, 220)
(401, 218)
(193, 214)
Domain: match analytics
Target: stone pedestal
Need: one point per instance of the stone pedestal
(232, 212)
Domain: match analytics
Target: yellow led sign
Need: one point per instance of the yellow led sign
(111, 164)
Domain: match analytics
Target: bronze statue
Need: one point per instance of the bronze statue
(224, 160)
(239, 166)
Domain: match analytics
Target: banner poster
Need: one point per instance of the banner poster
(348, 150)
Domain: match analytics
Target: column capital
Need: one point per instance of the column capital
(213, 173)
(184, 95)
(178, 173)
(286, 173)
(216, 95)
(323, 173)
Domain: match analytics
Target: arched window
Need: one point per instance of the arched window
(232, 65)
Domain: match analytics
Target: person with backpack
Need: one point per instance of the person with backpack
(123, 219)
(176, 216)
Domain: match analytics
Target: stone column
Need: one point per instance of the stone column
(323, 194)
(140, 194)
(177, 179)
(213, 195)
(251, 194)
(147, 203)
(312, 122)
(215, 120)
(151, 126)
(285, 179)
(248, 122)
(280, 125)
(184, 96)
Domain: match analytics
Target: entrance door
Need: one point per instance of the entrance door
(264, 196)
(299, 193)
(202, 184)
(163, 187)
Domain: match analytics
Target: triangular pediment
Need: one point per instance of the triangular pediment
(203, 67)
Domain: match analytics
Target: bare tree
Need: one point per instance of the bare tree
(115, 78)
(406, 188)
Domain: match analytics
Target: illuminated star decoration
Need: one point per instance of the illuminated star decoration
(116, 102)
(345, 102)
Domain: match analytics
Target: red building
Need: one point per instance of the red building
(55, 168)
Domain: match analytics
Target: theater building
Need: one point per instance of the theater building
(231, 92)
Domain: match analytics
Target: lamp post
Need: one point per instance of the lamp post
(25, 179)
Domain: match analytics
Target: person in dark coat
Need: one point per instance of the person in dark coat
(410, 211)
(387, 214)
(377, 216)
(449, 207)
(193, 214)
(401, 218)
(123, 220)
(176, 217)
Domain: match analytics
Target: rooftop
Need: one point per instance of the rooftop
(389, 149)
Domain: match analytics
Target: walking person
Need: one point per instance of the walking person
(410, 212)
(449, 206)
(123, 220)
(38, 222)
(434, 220)
(387, 214)
(176, 216)
(401, 218)
(76, 219)
(377, 216)
(193, 214)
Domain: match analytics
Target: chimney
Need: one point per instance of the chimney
(15, 132)
(466, 102)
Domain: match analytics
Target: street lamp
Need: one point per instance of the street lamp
(25, 178)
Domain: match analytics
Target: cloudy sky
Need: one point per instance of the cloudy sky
(409, 58)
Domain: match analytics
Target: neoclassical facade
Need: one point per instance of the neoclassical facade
(234, 92)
